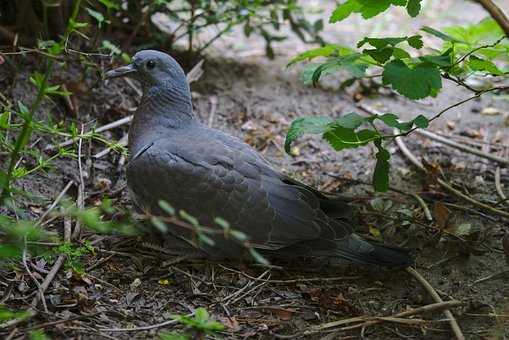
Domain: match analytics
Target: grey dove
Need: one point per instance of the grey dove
(209, 174)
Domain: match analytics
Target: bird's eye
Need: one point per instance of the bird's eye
(151, 64)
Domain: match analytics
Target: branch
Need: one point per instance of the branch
(497, 14)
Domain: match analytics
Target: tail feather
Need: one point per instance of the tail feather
(362, 251)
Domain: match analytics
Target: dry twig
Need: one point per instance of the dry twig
(454, 324)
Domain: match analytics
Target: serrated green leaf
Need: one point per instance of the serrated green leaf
(483, 65)
(371, 8)
(415, 41)
(439, 60)
(300, 126)
(381, 42)
(414, 83)
(350, 63)
(421, 121)
(400, 53)
(341, 138)
(413, 7)
(351, 121)
(344, 10)
(380, 55)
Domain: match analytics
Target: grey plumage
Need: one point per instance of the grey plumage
(211, 174)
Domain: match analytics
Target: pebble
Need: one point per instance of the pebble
(490, 111)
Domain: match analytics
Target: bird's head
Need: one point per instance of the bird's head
(151, 68)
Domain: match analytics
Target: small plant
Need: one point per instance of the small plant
(477, 50)
(197, 326)
(74, 255)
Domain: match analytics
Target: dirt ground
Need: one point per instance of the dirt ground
(126, 284)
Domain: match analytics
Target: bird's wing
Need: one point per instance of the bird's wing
(220, 176)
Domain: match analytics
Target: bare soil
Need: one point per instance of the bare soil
(127, 286)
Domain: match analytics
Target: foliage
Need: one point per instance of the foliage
(183, 21)
(200, 323)
(404, 65)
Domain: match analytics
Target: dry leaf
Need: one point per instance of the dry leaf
(441, 214)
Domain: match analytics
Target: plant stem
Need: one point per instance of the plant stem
(25, 133)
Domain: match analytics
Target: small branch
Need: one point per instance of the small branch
(144, 328)
(498, 186)
(462, 147)
(54, 204)
(454, 324)
(497, 14)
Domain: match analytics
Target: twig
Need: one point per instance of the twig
(39, 287)
(498, 186)
(40, 222)
(372, 320)
(462, 147)
(229, 298)
(444, 184)
(312, 279)
(492, 277)
(143, 328)
(80, 200)
(424, 207)
(454, 324)
(497, 14)
(195, 73)
(56, 266)
(213, 107)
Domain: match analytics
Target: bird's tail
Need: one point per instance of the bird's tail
(359, 250)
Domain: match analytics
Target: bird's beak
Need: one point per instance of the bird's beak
(120, 71)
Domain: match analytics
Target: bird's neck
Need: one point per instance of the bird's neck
(162, 111)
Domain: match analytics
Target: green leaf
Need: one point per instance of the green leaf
(371, 8)
(160, 225)
(341, 138)
(350, 63)
(201, 315)
(415, 41)
(400, 53)
(418, 82)
(110, 4)
(440, 34)
(258, 257)
(381, 42)
(421, 121)
(380, 55)
(167, 207)
(483, 65)
(413, 7)
(205, 239)
(324, 51)
(300, 126)
(9, 251)
(344, 10)
(96, 15)
(350, 121)
(4, 120)
(382, 168)
(188, 218)
(439, 60)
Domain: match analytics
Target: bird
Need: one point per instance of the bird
(210, 174)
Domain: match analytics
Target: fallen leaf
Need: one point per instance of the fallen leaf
(441, 214)
(283, 314)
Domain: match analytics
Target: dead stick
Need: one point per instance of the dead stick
(408, 154)
(454, 324)
(372, 320)
(462, 147)
(55, 202)
(498, 185)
